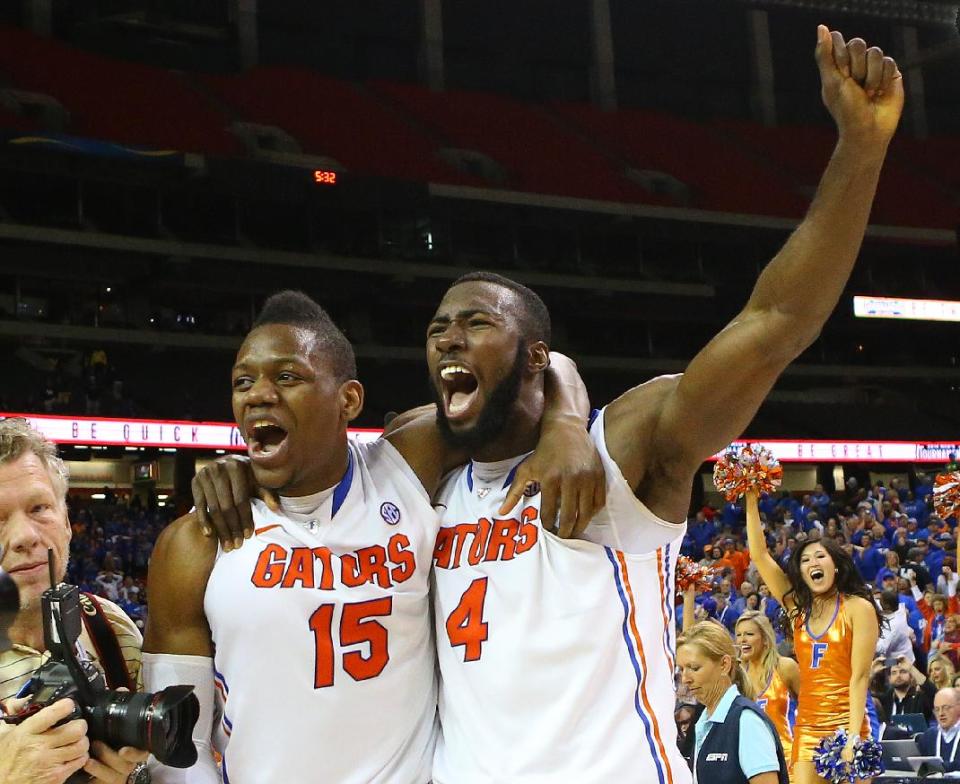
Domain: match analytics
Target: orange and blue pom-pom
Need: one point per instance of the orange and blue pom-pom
(946, 495)
(751, 468)
(691, 573)
(867, 759)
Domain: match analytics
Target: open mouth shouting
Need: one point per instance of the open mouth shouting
(267, 442)
(459, 391)
(817, 577)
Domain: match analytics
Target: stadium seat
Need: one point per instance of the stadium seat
(335, 119)
(906, 196)
(538, 154)
(718, 175)
(127, 102)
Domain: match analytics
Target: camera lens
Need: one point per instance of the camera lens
(162, 723)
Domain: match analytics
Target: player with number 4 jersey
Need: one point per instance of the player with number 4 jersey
(541, 680)
(556, 655)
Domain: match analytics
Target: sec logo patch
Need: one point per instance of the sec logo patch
(390, 513)
(531, 489)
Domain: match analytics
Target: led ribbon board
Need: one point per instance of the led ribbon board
(177, 434)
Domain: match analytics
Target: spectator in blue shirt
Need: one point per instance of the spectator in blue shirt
(806, 507)
(740, 602)
(767, 505)
(732, 515)
(821, 501)
(702, 531)
(936, 554)
(868, 558)
(734, 739)
(913, 507)
(788, 503)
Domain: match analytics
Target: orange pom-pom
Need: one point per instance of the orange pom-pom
(946, 495)
(752, 468)
(691, 573)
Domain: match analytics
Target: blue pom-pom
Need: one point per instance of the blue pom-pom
(868, 758)
(867, 761)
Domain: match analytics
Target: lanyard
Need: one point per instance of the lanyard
(897, 706)
(953, 749)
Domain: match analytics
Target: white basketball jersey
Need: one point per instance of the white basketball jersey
(556, 656)
(324, 658)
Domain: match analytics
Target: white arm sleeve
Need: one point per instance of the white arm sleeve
(161, 670)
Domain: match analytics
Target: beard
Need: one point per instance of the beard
(493, 418)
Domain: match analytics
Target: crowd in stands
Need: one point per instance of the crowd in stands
(901, 547)
(111, 547)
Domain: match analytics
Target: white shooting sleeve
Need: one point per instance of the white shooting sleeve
(161, 670)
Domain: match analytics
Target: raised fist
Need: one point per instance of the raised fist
(861, 87)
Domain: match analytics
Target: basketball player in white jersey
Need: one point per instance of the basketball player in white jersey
(316, 635)
(557, 656)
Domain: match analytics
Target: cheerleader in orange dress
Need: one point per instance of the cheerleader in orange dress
(774, 679)
(835, 629)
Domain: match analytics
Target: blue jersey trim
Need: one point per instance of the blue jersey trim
(340, 493)
(636, 665)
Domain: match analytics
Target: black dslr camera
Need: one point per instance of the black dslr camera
(161, 723)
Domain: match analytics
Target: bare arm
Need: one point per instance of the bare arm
(918, 677)
(769, 569)
(660, 449)
(409, 416)
(790, 673)
(689, 608)
(176, 583)
(865, 632)
(177, 629)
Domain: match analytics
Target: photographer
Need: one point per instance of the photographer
(33, 519)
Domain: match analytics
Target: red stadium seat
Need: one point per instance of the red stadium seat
(336, 119)
(537, 152)
(906, 196)
(124, 102)
(718, 174)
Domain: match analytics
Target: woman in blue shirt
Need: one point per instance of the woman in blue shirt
(735, 741)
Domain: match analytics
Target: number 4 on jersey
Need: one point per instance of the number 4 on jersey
(465, 625)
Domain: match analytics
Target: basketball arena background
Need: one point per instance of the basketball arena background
(167, 164)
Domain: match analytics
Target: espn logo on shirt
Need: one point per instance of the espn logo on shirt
(717, 756)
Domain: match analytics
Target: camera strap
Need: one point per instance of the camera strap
(105, 643)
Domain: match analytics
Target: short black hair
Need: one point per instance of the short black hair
(535, 318)
(296, 309)
(889, 601)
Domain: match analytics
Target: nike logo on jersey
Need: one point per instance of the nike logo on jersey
(497, 539)
(318, 567)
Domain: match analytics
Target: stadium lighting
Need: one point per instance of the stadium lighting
(906, 309)
(99, 497)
